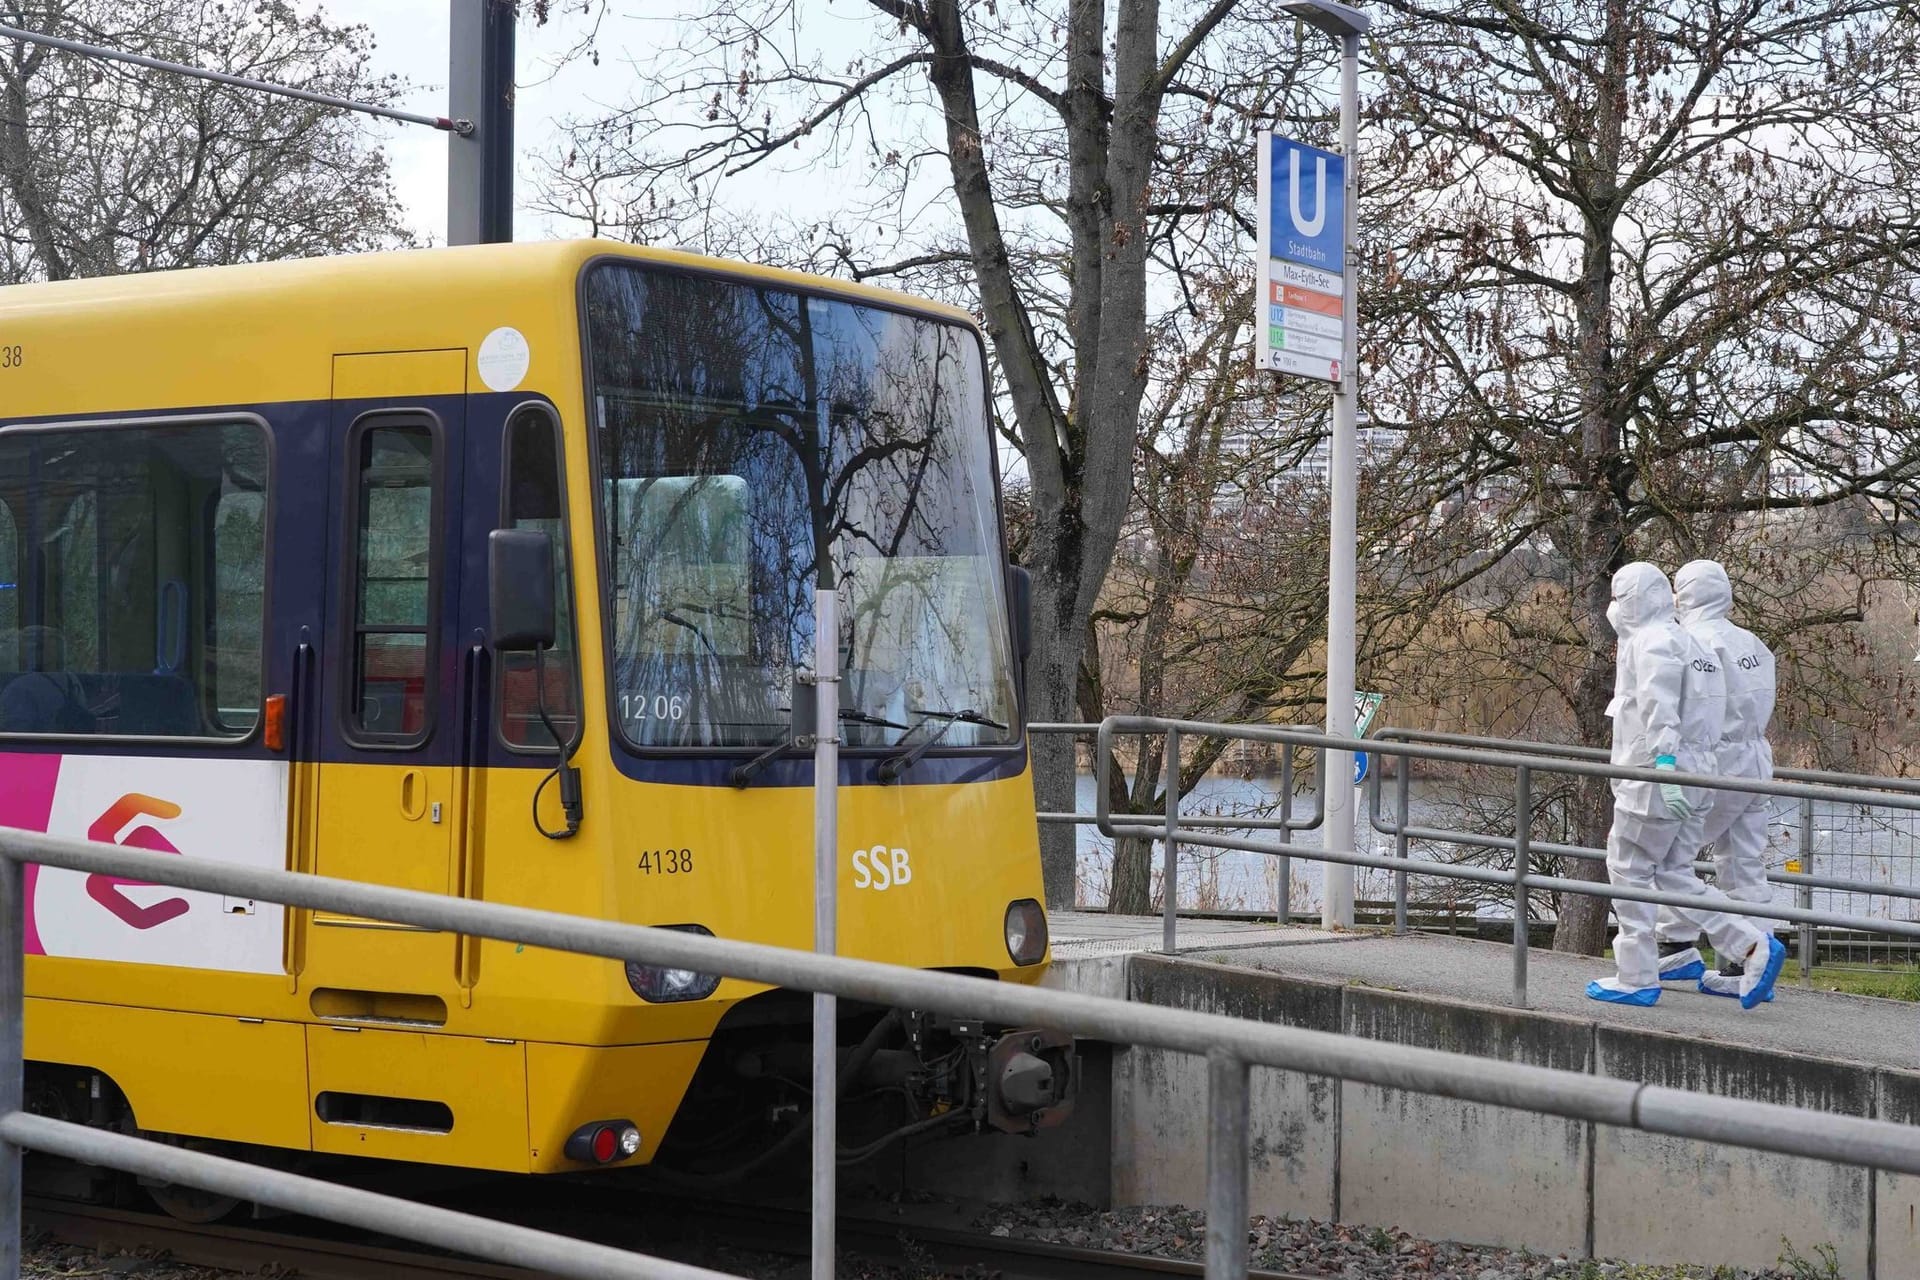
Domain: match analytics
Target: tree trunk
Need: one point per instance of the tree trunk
(1132, 893)
(1079, 463)
(1052, 695)
(1600, 543)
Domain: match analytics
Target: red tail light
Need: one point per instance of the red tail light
(604, 1142)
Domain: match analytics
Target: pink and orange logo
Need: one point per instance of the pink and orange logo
(108, 890)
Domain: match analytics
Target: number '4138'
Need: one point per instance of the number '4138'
(667, 862)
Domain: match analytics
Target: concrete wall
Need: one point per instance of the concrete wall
(1159, 1101)
(1456, 1170)
(1491, 1175)
(1661, 1197)
(1896, 1199)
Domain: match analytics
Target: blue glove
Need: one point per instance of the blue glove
(1670, 792)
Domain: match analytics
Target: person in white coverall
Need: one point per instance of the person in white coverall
(1736, 824)
(1669, 700)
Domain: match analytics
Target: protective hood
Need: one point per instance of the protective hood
(1701, 592)
(1640, 596)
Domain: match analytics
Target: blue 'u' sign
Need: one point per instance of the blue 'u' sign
(1307, 205)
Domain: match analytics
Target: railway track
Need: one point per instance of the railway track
(779, 1234)
(249, 1249)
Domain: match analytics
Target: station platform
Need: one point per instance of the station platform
(1366, 1154)
(1822, 1024)
(1078, 935)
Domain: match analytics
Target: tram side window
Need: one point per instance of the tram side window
(393, 585)
(9, 591)
(237, 526)
(535, 499)
(112, 559)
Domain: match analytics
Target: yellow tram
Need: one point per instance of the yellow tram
(246, 517)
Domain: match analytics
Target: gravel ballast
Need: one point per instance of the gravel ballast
(1313, 1248)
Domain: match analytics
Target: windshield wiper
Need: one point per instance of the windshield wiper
(893, 766)
(853, 715)
(744, 773)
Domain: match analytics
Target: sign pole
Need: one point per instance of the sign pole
(826, 842)
(480, 89)
(1343, 483)
(1304, 325)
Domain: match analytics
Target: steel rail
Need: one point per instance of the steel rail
(909, 1240)
(248, 1250)
(1677, 1113)
(1175, 820)
(1523, 762)
(1442, 835)
(1503, 760)
(1570, 750)
(1587, 853)
(1135, 825)
(1561, 884)
(444, 1228)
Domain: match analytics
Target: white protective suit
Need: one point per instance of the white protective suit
(1669, 700)
(1736, 825)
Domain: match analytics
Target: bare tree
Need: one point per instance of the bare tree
(1079, 142)
(106, 167)
(1648, 284)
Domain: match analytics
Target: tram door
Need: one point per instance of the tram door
(387, 806)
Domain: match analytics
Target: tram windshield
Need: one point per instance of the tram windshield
(740, 428)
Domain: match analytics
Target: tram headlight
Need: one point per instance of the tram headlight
(671, 986)
(1026, 931)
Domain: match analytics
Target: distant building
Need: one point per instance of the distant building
(1372, 445)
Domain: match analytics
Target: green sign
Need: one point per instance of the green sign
(1365, 707)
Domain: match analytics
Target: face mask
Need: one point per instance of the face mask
(1613, 616)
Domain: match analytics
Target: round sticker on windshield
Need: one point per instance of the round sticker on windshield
(504, 357)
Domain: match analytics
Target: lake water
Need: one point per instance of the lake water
(1872, 844)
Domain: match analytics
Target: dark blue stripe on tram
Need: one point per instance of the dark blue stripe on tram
(312, 510)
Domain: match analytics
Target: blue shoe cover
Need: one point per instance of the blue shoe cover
(1643, 996)
(1763, 990)
(1724, 984)
(1689, 968)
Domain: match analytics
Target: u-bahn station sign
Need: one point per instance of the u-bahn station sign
(1302, 219)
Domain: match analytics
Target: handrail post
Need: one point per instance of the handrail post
(826, 919)
(13, 1004)
(1285, 879)
(1400, 846)
(1806, 890)
(1522, 855)
(1170, 876)
(1227, 1121)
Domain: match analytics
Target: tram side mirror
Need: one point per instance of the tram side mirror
(520, 589)
(1020, 600)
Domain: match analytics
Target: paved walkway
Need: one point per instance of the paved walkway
(1822, 1024)
(1079, 934)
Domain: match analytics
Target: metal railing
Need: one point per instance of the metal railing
(1899, 794)
(1287, 821)
(1522, 879)
(1231, 1045)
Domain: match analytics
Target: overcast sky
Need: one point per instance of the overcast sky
(412, 36)
(412, 44)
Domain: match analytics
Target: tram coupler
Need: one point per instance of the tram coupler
(1031, 1078)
